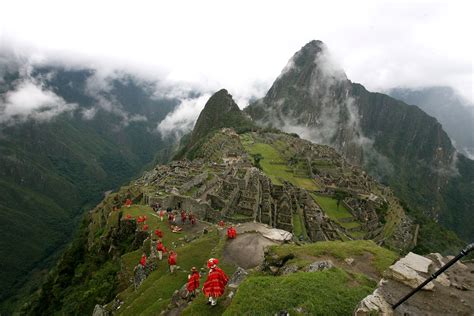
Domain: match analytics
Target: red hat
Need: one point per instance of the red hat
(211, 262)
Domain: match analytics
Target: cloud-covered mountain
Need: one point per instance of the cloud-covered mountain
(451, 110)
(398, 143)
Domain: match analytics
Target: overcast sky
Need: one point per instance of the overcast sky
(243, 45)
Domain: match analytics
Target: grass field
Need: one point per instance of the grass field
(382, 257)
(276, 167)
(329, 292)
(329, 206)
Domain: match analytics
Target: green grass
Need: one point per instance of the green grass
(382, 258)
(329, 206)
(298, 226)
(275, 166)
(330, 292)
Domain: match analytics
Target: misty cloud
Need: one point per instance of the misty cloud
(30, 100)
(183, 118)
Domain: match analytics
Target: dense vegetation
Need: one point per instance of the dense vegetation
(53, 171)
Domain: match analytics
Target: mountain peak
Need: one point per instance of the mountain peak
(220, 111)
(222, 101)
(315, 44)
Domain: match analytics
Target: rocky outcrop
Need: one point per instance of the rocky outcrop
(320, 266)
(450, 294)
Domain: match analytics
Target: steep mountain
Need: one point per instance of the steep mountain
(455, 114)
(397, 143)
(53, 169)
(278, 190)
(220, 111)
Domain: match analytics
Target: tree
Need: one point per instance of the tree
(256, 160)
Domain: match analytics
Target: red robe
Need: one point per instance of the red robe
(143, 261)
(172, 259)
(193, 282)
(231, 233)
(158, 233)
(128, 202)
(160, 247)
(145, 227)
(215, 283)
(183, 217)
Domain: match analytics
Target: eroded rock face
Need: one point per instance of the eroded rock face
(237, 278)
(320, 266)
(406, 270)
(375, 303)
(451, 293)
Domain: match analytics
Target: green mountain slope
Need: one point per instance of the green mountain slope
(52, 171)
(455, 114)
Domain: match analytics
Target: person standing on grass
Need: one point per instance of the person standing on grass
(183, 216)
(162, 214)
(161, 249)
(193, 282)
(172, 261)
(216, 281)
(158, 233)
(143, 260)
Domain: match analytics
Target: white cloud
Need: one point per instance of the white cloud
(183, 118)
(381, 44)
(29, 100)
(89, 114)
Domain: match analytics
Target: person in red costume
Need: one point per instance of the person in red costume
(221, 223)
(143, 260)
(145, 227)
(183, 216)
(128, 203)
(161, 249)
(162, 214)
(231, 232)
(216, 281)
(158, 233)
(172, 261)
(193, 282)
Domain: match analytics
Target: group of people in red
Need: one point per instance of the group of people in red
(161, 249)
(213, 287)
